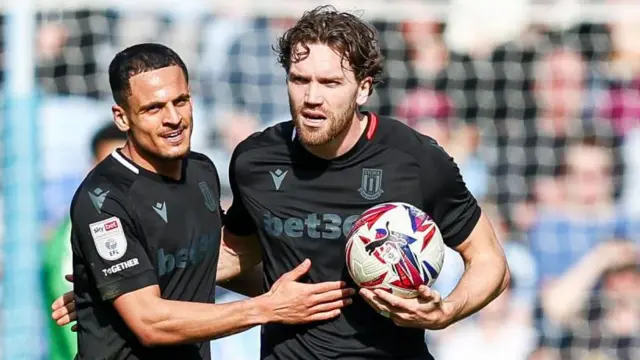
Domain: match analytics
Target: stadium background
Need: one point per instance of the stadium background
(538, 101)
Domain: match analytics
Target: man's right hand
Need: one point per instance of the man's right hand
(63, 309)
(293, 302)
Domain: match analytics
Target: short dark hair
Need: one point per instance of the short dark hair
(108, 132)
(138, 59)
(352, 37)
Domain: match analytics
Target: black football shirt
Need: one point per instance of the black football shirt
(133, 228)
(302, 206)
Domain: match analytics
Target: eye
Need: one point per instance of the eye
(154, 109)
(298, 80)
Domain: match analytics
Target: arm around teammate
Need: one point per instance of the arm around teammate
(115, 260)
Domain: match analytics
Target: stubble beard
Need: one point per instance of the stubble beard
(334, 126)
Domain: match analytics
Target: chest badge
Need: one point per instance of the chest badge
(209, 200)
(371, 185)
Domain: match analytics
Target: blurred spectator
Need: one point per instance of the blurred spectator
(58, 260)
(559, 89)
(561, 236)
(255, 81)
(589, 216)
(219, 33)
(621, 101)
(431, 113)
(598, 301)
(51, 39)
(428, 54)
(415, 56)
(532, 151)
(490, 88)
(70, 45)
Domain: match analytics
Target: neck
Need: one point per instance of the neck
(169, 168)
(343, 142)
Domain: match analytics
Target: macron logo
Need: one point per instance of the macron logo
(277, 176)
(161, 209)
(97, 198)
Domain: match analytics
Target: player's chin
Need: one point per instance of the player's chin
(314, 138)
(176, 152)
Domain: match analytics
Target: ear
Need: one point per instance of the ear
(120, 118)
(364, 91)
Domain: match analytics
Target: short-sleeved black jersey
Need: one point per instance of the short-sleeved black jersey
(133, 228)
(303, 207)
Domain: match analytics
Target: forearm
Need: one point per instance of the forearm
(237, 255)
(248, 283)
(229, 265)
(564, 297)
(484, 279)
(178, 322)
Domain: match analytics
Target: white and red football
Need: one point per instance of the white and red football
(395, 247)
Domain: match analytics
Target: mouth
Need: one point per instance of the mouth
(174, 137)
(313, 118)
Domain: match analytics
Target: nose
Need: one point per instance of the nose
(313, 96)
(173, 116)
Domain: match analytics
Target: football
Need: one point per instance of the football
(395, 247)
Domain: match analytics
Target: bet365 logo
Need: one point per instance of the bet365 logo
(204, 247)
(314, 226)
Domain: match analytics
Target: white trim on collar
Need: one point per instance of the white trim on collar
(116, 155)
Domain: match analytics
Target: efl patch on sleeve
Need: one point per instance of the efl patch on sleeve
(108, 236)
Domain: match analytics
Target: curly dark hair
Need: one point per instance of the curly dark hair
(347, 34)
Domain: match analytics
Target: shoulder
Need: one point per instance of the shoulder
(204, 168)
(104, 190)
(278, 136)
(201, 160)
(395, 135)
(197, 157)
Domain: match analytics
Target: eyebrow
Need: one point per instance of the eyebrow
(181, 97)
(320, 78)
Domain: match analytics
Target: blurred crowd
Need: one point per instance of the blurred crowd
(544, 123)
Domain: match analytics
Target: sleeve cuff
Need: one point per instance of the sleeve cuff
(237, 229)
(466, 230)
(113, 290)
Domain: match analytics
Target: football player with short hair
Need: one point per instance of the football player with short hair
(146, 228)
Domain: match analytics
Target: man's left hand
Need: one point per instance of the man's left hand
(427, 311)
